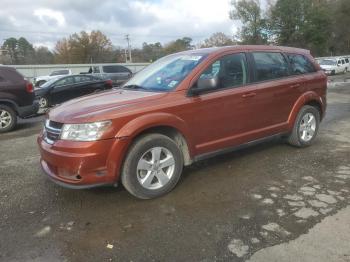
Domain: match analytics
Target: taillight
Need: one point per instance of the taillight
(109, 83)
(29, 87)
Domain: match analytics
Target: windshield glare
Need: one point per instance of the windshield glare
(166, 73)
(328, 62)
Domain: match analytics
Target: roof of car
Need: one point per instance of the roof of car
(7, 67)
(213, 50)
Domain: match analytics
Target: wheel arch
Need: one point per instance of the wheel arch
(10, 104)
(163, 123)
(174, 134)
(309, 98)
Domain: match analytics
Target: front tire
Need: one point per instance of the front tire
(8, 119)
(152, 167)
(305, 127)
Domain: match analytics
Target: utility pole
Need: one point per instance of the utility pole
(129, 47)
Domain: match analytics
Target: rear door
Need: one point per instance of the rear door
(276, 91)
(85, 84)
(302, 66)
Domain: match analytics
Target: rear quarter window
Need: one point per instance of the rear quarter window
(300, 64)
(60, 72)
(269, 65)
(11, 75)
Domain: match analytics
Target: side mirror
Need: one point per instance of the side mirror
(204, 85)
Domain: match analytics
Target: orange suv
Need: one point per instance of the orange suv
(183, 108)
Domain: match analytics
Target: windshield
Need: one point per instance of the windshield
(328, 62)
(166, 73)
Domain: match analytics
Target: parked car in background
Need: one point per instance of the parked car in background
(333, 66)
(183, 108)
(16, 98)
(117, 73)
(38, 81)
(57, 91)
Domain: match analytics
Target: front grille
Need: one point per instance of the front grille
(52, 131)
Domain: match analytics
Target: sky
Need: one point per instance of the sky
(43, 22)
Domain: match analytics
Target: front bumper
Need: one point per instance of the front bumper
(81, 165)
(27, 111)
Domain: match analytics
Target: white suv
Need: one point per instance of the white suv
(333, 65)
(38, 81)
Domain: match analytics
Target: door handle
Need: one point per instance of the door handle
(248, 95)
(295, 86)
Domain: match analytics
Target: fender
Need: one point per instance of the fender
(137, 126)
(303, 100)
(11, 102)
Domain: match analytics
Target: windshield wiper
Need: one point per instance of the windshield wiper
(134, 87)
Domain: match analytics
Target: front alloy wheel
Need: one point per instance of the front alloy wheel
(155, 168)
(152, 167)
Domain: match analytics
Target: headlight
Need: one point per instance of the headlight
(84, 132)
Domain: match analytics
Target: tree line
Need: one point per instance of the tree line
(322, 26)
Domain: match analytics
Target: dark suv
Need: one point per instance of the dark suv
(16, 98)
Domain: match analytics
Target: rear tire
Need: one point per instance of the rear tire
(8, 119)
(43, 103)
(152, 167)
(305, 127)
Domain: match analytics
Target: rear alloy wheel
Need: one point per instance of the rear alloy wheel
(152, 166)
(43, 102)
(8, 118)
(305, 127)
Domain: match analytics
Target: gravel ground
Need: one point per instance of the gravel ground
(224, 209)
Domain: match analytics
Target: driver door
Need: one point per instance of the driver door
(222, 114)
(63, 90)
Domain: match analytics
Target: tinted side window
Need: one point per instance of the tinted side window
(111, 69)
(269, 65)
(82, 78)
(59, 72)
(300, 64)
(65, 81)
(231, 71)
(124, 69)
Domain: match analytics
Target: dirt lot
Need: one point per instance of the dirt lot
(224, 209)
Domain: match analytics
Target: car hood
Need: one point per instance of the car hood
(101, 106)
